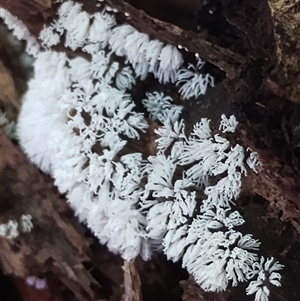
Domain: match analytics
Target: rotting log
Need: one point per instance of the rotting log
(262, 88)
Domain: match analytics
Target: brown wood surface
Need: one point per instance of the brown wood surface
(257, 49)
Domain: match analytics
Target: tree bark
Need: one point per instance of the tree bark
(258, 50)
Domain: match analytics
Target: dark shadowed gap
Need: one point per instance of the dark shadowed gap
(176, 12)
(8, 291)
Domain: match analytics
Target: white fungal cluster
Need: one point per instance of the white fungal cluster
(267, 274)
(189, 212)
(228, 125)
(26, 223)
(100, 29)
(143, 54)
(192, 82)
(160, 107)
(87, 122)
(10, 230)
(38, 283)
(78, 122)
(20, 31)
(253, 161)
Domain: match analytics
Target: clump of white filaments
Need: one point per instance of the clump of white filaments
(179, 199)
(160, 107)
(37, 283)
(267, 274)
(88, 122)
(11, 229)
(192, 82)
(20, 31)
(101, 29)
(200, 231)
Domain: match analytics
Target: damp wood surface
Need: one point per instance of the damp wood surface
(253, 46)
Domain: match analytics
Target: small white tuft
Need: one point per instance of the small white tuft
(26, 223)
(20, 31)
(9, 230)
(118, 39)
(135, 46)
(192, 82)
(228, 125)
(38, 283)
(253, 161)
(51, 35)
(168, 133)
(100, 28)
(125, 78)
(160, 108)
(76, 35)
(170, 61)
(266, 272)
(152, 55)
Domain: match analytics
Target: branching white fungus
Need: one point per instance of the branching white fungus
(77, 118)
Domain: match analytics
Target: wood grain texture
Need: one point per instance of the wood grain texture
(261, 62)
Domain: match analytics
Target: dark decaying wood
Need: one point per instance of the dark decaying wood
(254, 47)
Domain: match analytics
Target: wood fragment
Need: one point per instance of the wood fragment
(132, 283)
